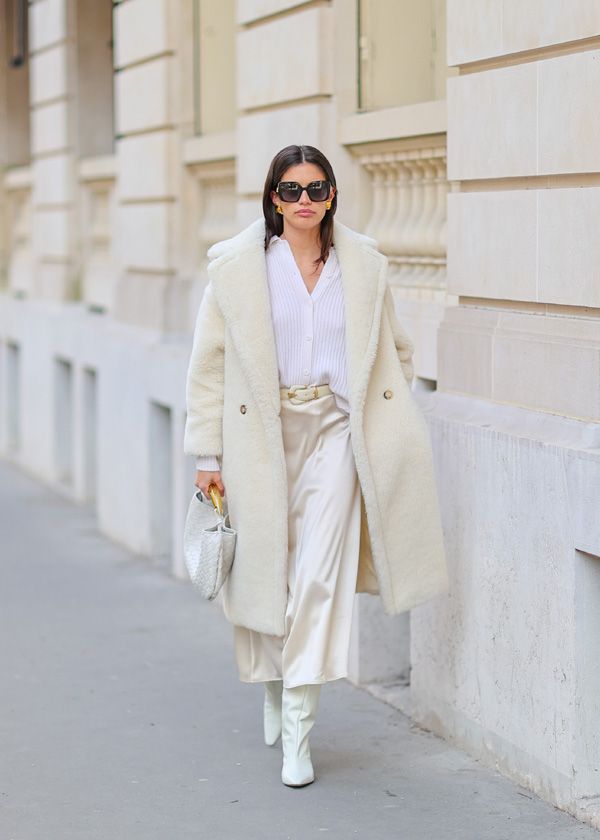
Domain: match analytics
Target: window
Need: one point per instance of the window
(95, 113)
(14, 47)
(214, 66)
(401, 52)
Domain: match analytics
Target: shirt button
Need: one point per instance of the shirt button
(309, 337)
(306, 371)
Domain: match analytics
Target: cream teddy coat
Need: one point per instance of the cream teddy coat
(233, 410)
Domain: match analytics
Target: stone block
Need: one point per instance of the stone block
(51, 232)
(569, 246)
(474, 30)
(548, 364)
(141, 31)
(492, 123)
(146, 164)
(143, 236)
(542, 23)
(47, 23)
(53, 179)
(465, 351)
(49, 128)
(296, 60)
(569, 127)
(142, 96)
(492, 245)
(486, 29)
(48, 74)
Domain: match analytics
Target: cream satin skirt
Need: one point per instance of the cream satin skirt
(323, 548)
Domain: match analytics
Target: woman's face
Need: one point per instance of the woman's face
(303, 214)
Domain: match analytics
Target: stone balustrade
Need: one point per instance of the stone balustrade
(20, 263)
(215, 204)
(97, 181)
(408, 216)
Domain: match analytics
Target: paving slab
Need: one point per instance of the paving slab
(122, 716)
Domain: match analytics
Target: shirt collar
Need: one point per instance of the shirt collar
(275, 239)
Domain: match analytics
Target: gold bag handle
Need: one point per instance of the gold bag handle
(216, 498)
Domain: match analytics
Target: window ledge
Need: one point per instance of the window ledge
(392, 123)
(18, 178)
(208, 147)
(98, 168)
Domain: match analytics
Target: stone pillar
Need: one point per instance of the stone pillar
(146, 100)
(523, 245)
(287, 98)
(53, 176)
(501, 664)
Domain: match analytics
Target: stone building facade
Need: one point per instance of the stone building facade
(465, 137)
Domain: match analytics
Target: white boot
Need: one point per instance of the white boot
(299, 709)
(272, 711)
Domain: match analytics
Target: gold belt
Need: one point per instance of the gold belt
(304, 393)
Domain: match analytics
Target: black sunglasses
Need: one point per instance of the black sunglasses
(292, 190)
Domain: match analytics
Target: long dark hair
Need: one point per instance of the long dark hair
(291, 156)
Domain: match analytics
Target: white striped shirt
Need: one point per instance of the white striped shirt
(309, 328)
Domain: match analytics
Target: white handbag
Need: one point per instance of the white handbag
(208, 542)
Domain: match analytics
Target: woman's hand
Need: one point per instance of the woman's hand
(204, 479)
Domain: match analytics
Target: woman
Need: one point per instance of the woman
(299, 409)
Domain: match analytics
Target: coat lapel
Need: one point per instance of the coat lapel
(239, 280)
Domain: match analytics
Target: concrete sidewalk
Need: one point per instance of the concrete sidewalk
(122, 717)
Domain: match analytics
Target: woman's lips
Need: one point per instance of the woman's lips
(305, 213)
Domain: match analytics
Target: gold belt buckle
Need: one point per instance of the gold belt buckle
(293, 392)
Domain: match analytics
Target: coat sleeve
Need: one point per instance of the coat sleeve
(203, 434)
(404, 345)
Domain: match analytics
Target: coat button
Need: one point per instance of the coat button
(243, 408)
(388, 394)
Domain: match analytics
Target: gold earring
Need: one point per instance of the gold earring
(328, 205)
(279, 210)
